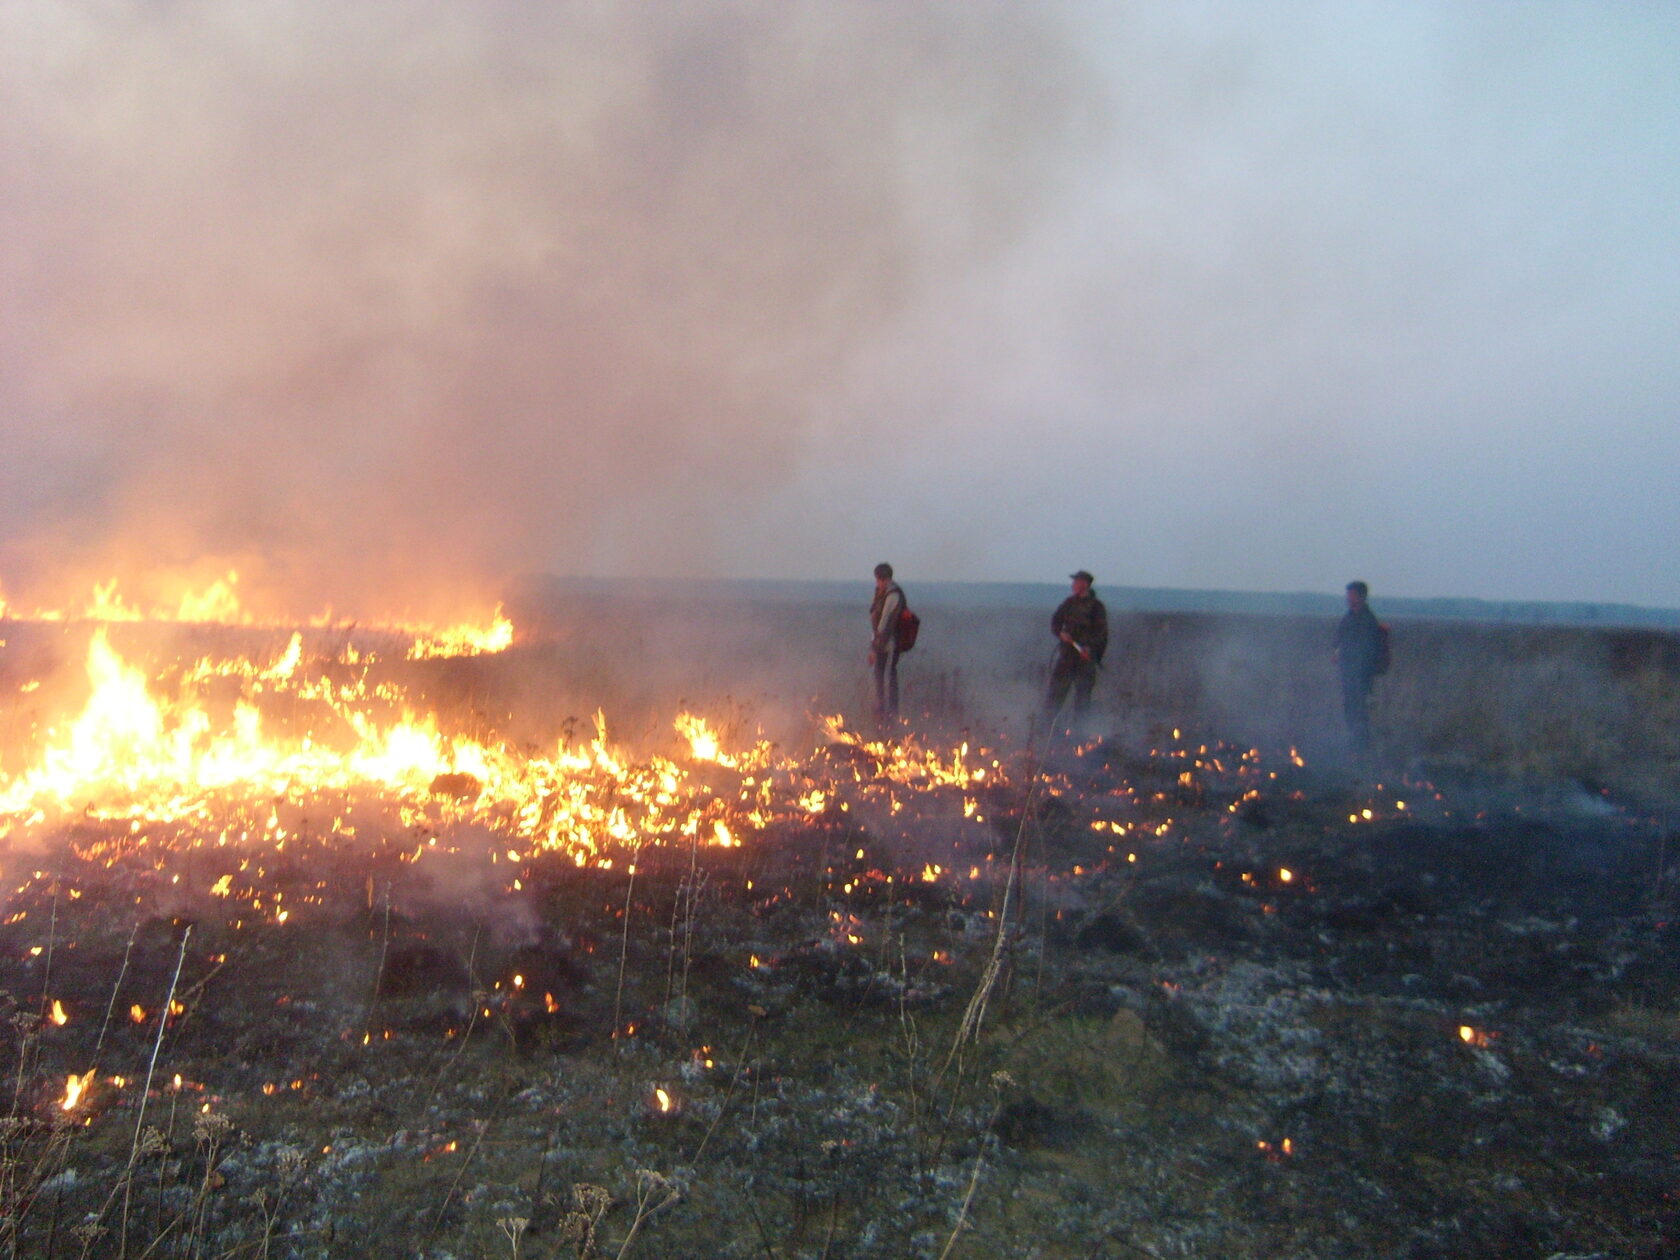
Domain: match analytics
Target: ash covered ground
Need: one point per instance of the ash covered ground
(1186, 984)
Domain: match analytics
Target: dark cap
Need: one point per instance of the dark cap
(1083, 576)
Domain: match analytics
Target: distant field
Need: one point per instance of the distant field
(1593, 705)
(1045, 595)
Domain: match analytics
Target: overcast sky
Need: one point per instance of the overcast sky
(383, 304)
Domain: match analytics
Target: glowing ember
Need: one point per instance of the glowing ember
(58, 1015)
(1479, 1037)
(662, 1099)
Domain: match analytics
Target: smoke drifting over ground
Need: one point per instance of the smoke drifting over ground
(382, 305)
(375, 299)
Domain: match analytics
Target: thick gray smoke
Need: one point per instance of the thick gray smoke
(386, 302)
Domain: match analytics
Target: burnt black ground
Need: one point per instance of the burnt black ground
(1185, 1054)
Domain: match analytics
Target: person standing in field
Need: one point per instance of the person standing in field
(1080, 624)
(884, 611)
(1359, 652)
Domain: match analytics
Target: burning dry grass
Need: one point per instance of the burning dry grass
(528, 989)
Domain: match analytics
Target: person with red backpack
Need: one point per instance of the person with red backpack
(1361, 654)
(892, 632)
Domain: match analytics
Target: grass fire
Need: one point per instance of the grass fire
(329, 939)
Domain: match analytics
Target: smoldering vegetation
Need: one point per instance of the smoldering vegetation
(1187, 985)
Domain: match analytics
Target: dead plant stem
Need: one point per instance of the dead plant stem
(52, 942)
(379, 973)
(973, 1184)
(740, 1066)
(483, 1127)
(157, 1044)
(624, 951)
(472, 1020)
(116, 989)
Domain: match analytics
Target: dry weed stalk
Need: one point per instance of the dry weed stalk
(379, 973)
(52, 941)
(125, 1183)
(157, 1044)
(116, 989)
(1001, 1081)
(291, 1167)
(579, 1225)
(624, 948)
(210, 1131)
(27, 1026)
(974, 1015)
(513, 1227)
(22, 1176)
(472, 1021)
(482, 1127)
(723, 1108)
(654, 1193)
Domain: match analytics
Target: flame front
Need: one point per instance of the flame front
(222, 735)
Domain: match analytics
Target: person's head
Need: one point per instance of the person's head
(1082, 582)
(883, 574)
(1357, 594)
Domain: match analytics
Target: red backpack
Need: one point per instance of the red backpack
(908, 627)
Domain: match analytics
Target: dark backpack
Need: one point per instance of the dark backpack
(1380, 662)
(909, 626)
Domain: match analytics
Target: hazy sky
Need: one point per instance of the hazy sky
(379, 303)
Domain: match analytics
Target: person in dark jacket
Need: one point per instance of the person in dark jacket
(884, 609)
(1080, 624)
(1358, 650)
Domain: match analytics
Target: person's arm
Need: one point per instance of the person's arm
(886, 625)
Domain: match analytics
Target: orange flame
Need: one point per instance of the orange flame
(75, 1089)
